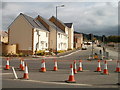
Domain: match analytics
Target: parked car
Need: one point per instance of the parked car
(84, 47)
(99, 45)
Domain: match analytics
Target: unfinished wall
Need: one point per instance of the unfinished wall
(20, 32)
(9, 49)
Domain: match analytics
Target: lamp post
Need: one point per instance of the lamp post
(91, 36)
(104, 45)
(56, 25)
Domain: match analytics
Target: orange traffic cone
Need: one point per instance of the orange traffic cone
(7, 65)
(21, 61)
(71, 76)
(23, 65)
(105, 71)
(55, 65)
(43, 68)
(118, 67)
(80, 69)
(98, 67)
(26, 76)
(75, 67)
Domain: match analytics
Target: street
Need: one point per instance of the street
(56, 79)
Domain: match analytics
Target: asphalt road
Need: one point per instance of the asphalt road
(56, 79)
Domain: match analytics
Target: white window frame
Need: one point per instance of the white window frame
(59, 35)
(46, 34)
(46, 44)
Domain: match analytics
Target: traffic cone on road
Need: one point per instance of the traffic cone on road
(26, 76)
(43, 68)
(105, 71)
(21, 61)
(7, 64)
(80, 69)
(98, 67)
(118, 67)
(55, 65)
(71, 76)
(75, 67)
(23, 66)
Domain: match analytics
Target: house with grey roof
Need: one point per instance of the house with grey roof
(34, 34)
(67, 28)
(55, 33)
(29, 34)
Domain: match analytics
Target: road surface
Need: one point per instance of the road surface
(56, 79)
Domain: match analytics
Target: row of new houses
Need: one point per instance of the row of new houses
(34, 34)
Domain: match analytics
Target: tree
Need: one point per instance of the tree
(113, 39)
(91, 36)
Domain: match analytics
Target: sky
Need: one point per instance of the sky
(99, 18)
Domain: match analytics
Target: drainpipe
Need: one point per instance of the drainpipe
(37, 44)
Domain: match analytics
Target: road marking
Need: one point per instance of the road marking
(74, 84)
(6, 73)
(86, 70)
(58, 83)
(35, 81)
(69, 54)
(14, 72)
(109, 60)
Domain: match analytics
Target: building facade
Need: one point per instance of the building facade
(3, 36)
(67, 28)
(34, 34)
(78, 40)
(24, 31)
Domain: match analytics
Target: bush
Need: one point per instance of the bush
(41, 52)
(113, 39)
(13, 55)
(21, 54)
(52, 53)
(69, 49)
(50, 49)
(61, 51)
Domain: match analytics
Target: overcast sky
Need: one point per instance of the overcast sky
(100, 18)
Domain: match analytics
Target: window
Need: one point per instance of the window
(46, 34)
(64, 45)
(59, 35)
(42, 42)
(59, 45)
(46, 44)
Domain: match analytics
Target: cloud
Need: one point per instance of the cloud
(3, 5)
(86, 16)
(94, 16)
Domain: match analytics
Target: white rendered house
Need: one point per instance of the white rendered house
(29, 34)
(34, 34)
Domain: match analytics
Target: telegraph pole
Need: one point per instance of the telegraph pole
(104, 48)
(56, 25)
(91, 39)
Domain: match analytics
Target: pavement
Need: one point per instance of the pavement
(56, 79)
(59, 54)
(67, 53)
(113, 54)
